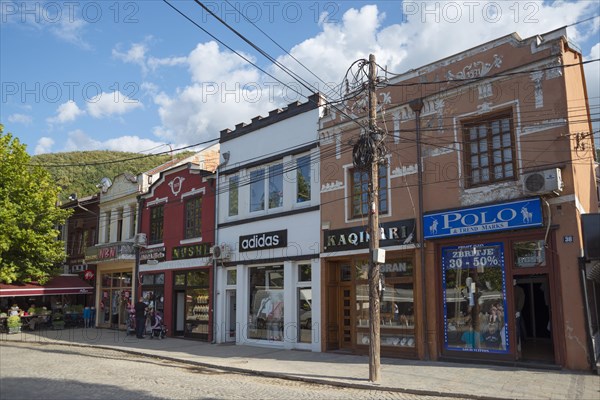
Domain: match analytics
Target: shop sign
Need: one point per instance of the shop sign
(498, 217)
(392, 268)
(265, 240)
(88, 274)
(390, 234)
(156, 253)
(107, 252)
(191, 251)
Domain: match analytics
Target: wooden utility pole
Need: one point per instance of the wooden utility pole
(374, 289)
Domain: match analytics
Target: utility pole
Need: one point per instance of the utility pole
(374, 284)
(417, 106)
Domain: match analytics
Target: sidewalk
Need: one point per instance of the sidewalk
(418, 377)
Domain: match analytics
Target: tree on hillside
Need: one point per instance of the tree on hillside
(29, 217)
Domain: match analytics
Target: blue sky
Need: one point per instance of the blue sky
(137, 76)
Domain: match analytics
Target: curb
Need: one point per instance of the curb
(267, 374)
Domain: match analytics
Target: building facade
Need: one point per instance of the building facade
(487, 268)
(268, 266)
(175, 265)
(114, 253)
(80, 233)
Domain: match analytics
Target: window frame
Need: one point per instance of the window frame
(488, 121)
(383, 188)
(191, 231)
(302, 162)
(156, 224)
(233, 195)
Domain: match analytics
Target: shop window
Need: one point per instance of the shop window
(304, 315)
(193, 218)
(180, 279)
(231, 277)
(474, 292)
(197, 302)
(489, 150)
(156, 224)
(360, 189)
(303, 179)
(266, 303)
(276, 186)
(397, 313)
(304, 273)
(529, 254)
(257, 190)
(304, 299)
(234, 182)
(153, 291)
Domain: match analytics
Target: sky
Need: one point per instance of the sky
(140, 76)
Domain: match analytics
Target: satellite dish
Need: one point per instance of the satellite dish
(105, 183)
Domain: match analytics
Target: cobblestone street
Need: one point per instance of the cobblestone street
(50, 371)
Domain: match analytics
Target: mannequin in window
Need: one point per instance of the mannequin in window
(275, 319)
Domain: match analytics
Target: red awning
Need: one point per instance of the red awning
(64, 284)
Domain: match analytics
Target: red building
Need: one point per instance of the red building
(176, 234)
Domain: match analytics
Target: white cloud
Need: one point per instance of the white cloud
(44, 145)
(66, 112)
(20, 119)
(135, 55)
(78, 140)
(108, 104)
(430, 31)
(138, 54)
(224, 91)
(71, 31)
(592, 77)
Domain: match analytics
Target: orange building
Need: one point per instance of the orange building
(507, 159)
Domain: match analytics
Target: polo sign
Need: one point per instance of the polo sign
(497, 217)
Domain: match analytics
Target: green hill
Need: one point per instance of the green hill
(80, 171)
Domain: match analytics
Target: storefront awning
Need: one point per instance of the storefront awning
(63, 284)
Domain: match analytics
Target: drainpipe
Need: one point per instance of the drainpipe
(215, 262)
(138, 225)
(417, 105)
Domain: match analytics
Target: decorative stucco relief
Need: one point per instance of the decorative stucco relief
(403, 171)
(544, 125)
(490, 193)
(476, 69)
(536, 77)
(330, 187)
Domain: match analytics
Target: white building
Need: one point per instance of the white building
(268, 286)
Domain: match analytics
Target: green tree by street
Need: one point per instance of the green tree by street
(29, 217)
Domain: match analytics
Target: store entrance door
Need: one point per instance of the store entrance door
(179, 320)
(346, 334)
(535, 328)
(230, 319)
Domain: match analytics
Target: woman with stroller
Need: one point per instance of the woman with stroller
(156, 327)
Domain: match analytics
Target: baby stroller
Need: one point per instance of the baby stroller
(130, 322)
(158, 329)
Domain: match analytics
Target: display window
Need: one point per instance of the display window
(474, 298)
(397, 314)
(304, 298)
(115, 299)
(266, 304)
(153, 291)
(192, 303)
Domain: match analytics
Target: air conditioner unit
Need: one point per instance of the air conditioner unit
(140, 239)
(220, 252)
(542, 182)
